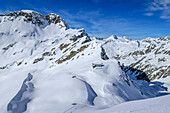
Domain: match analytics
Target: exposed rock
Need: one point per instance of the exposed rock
(68, 57)
(103, 54)
(37, 60)
(62, 46)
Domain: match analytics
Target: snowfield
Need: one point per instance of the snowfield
(47, 67)
(152, 105)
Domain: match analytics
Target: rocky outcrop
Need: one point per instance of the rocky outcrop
(36, 18)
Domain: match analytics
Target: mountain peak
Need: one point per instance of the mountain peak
(36, 18)
(27, 11)
(113, 37)
(118, 38)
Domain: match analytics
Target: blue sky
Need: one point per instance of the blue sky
(136, 19)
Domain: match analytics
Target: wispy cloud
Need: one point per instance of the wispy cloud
(96, 23)
(98, 1)
(4, 11)
(81, 17)
(160, 5)
(148, 14)
(7, 10)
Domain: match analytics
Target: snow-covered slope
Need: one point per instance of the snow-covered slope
(150, 55)
(152, 105)
(45, 66)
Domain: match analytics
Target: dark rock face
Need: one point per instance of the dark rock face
(81, 33)
(72, 54)
(140, 75)
(37, 60)
(103, 54)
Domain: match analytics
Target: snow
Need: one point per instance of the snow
(72, 85)
(166, 82)
(28, 11)
(19, 103)
(152, 105)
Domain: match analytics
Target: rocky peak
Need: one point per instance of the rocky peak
(35, 18)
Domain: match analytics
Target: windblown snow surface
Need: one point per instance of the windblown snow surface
(47, 67)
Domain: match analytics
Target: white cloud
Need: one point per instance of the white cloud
(148, 14)
(160, 5)
(95, 23)
(78, 19)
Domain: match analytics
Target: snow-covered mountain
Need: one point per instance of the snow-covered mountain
(150, 55)
(46, 66)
